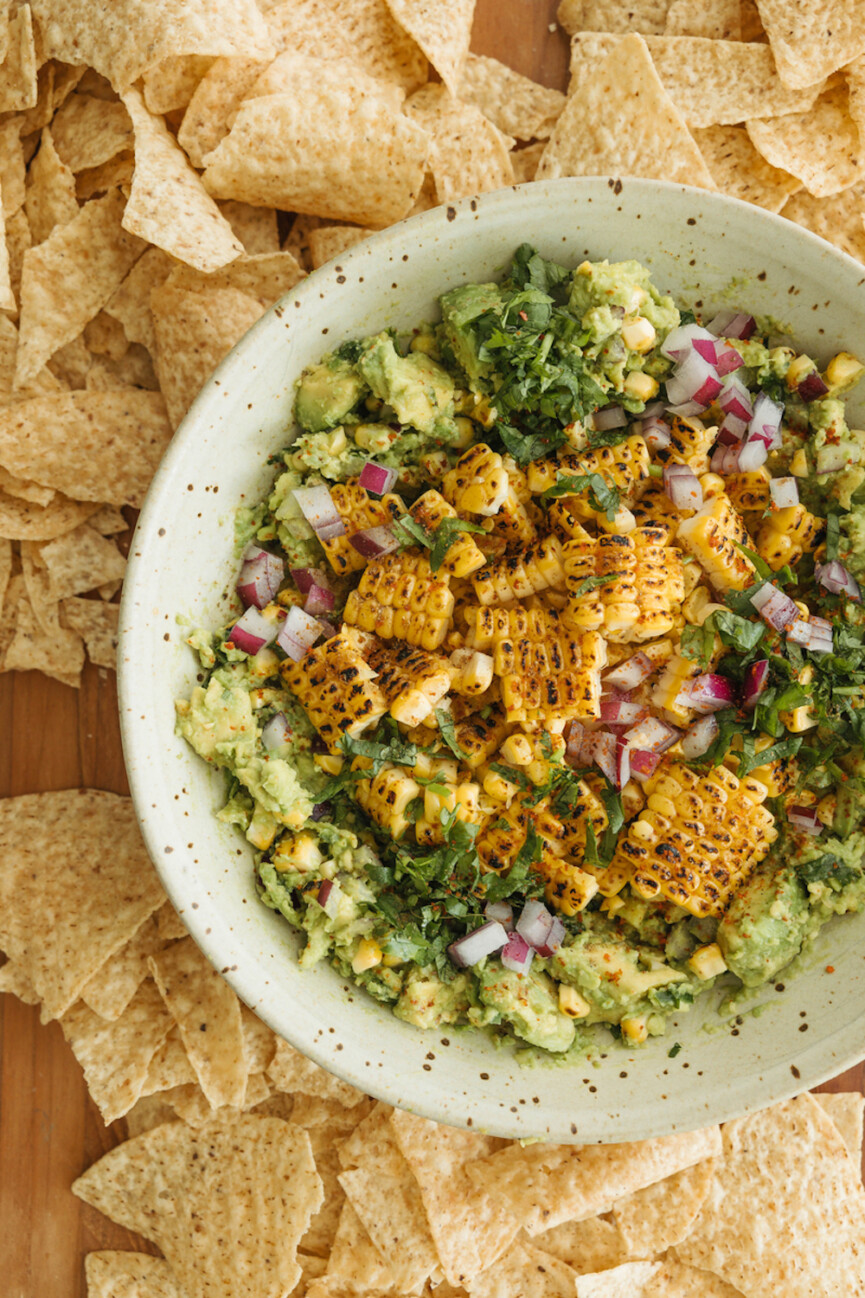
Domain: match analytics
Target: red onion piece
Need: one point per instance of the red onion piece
(732, 324)
(318, 508)
(707, 348)
(752, 455)
(831, 459)
(306, 578)
(320, 599)
(656, 434)
(812, 387)
(643, 763)
(814, 635)
(609, 417)
(784, 492)
(756, 680)
(299, 632)
(735, 399)
(652, 735)
(775, 607)
(694, 379)
(686, 408)
(554, 939)
(502, 911)
(725, 459)
(835, 578)
(516, 954)
(260, 577)
(766, 421)
(320, 810)
(732, 429)
(277, 732)
(534, 923)
(699, 737)
(623, 762)
(252, 631)
(376, 479)
(727, 359)
(632, 672)
(680, 341)
(328, 897)
(618, 713)
(654, 409)
(604, 753)
(805, 818)
(468, 950)
(682, 486)
(373, 542)
(710, 692)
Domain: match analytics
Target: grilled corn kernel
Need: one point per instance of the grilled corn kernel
(517, 750)
(799, 464)
(297, 852)
(568, 888)
(373, 437)
(471, 671)
(708, 962)
(711, 484)
(329, 763)
(412, 680)
(842, 372)
(386, 797)
(495, 786)
(572, 1003)
(358, 512)
(517, 576)
(335, 685)
(465, 432)
(787, 534)
(647, 586)
(635, 1029)
(639, 334)
(713, 537)
(399, 597)
(478, 483)
(463, 556)
(801, 718)
(367, 955)
(640, 386)
(625, 467)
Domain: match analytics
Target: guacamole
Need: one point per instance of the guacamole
(542, 705)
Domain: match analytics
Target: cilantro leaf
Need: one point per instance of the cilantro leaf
(501, 886)
(602, 497)
(608, 437)
(525, 447)
(445, 535)
(751, 759)
(737, 632)
(833, 536)
(511, 773)
(529, 268)
(592, 583)
(697, 643)
(827, 869)
(408, 532)
(448, 732)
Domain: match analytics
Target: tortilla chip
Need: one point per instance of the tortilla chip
(335, 146)
(259, 1041)
(134, 369)
(108, 521)
(167, 204)
(846, 1111)
(291, 1071)
(660, 1215)
(244, 1179)
(330, 241)
(170, 85)
(115, 1056)
(5, 567)
(18, 240)
(76, 885)
(105, 336)
(50, 192)
(739, 170)
(25, 489)
(838, 219)
(148, 1112)
(712, 83)
(117, 172)
(124, 39)
(526, 1271)
(129, 1275)
(387, 1198)
(192, 1105)
(103, 446)
(207, 1012)
(354, 1257)
(442, 32)
(515, 104)
(320, 1111)
(111, 989)
(469, 1228)
(42, 646)
(255, 227)
(88, 132)
(130, 303)
(81, 561)
(623, 122)
(171, 926)
(837, 161)
(785, 1177)
(321, 1231)
(468, 155)
(674, 1280)
(626, 1281)
(595, 1244)
(170, 1066)
(194, 332)
(298, 241)
(362, 30)
(548, 1184)
(12, 168)
(69, 277)
(212, 107)
(266, 277)
(18, 85)
(16, 982)
(810, 39)
(720, 20)
(8, 296)
(23, 520)
(70, 364)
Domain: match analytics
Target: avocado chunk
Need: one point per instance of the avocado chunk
(419, 391)
(326, 393)
(461, 310)
(619, 978)
(765, 926)
(530, 1004)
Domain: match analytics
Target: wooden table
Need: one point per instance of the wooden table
(57, 738)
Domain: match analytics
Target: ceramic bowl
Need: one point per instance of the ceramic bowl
(708, 250)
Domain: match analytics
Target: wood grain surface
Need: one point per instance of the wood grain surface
(55, 738)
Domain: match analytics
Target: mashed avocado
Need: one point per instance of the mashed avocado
(417, 779)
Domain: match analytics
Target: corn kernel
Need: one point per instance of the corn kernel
(799, 369)
(572, 1003)
(299, 853)
(497, 787)
(634, 1029)
(640, 386)
(367, 955)
(613, 904)
(329, 764)
(426, 343)
(708, 961)
(373, 437)
(517, 750)
(799, 464)
(639, 334)
(842, 371)
(466, 431)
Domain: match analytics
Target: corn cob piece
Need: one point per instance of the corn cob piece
(480, 736)
(400, 598)
(549, 672)
(698, 838)
(471, 672)
(412, 680)
(713, 536)
(567, 887)
(654, 508)
(464, 798)
(463, 556)
(748, 491)
(336, 686)
(500, 839)
(564, 523)
(779, 776)
(358, 511)
(690, 443)
(519, 575)
(624, 466)
(386, 797)
(645, 593)
(478, 483)
(787, 534)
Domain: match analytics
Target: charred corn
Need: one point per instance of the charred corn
(749, 492)
(412, 680)
(463, 798)
(787, 534)
(519, 575)
(566, 886)
(565, 523)
(480, 736)
(386, 798)
(335, 685)
(642, 590)
(478, 483)
(463, 556)
(690, 443)
(400, 598)
(624, 466)
(713, 537)
(358, 511)
(471, 671)
(655, 509)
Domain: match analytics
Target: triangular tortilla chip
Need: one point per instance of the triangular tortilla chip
(170, 1066)
(846, 1109)
(148, 1112)
(289, 1071)
(226, 1205)
(18, 84)
(719, 20)
(23, 520)
(44, 645)
(130, 304)
(170, 85)
(810, 39)
(76, 884)
(111, 989)
(353, 1256)
(50, 193)
(82, 561)
(88, 132)
(70, 277)
(259, 1041)
(517, 105)
(442, 31)
(623, 123)
(675, 1280)
(526, 1271)
(838, 219)
(129, 1275)
(167, 204)
(211, 109)
(26, 490)
(330, 241)
(266, 277)
(660, 1215)
(468, 154)
(738, 169)
(362, 30)
(626, 1281)
(117, 172)
(788, 143)
(12, 166)
(255, 227)
(594, 1244)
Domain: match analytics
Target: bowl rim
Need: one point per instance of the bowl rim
(210, 932)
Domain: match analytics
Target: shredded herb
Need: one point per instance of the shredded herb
(592, 583)
(602, 497)
(448, 732)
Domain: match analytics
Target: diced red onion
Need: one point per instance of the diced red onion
(815, 636)
(732, 324)
(643, 763)
(320, 810)
(685, 408)
(618, 713)
(725, 459)
(727, 359)
(710, 692)
(756, 680)
(609, 417)
(735, 399)
(680, 341)
(682, 486)
(516, 954)
(731, 430)
(554, 939)
(260, 577)
(306, 578)
(252, 631)
(502, 911)
(604, 753)
(775, 607)
(318, 508)
(652, 735)
(623, 762)
(656, 434)
(327, 628)
(766, 421)
(694, 379)
(632, 672)
(320, 599)
(805, 818)
(832, 458)
(484, 941)
(654, 409)
(373, 542)
(837, 580)
(699, 737)
(784, 492)
(752, 455)
(377, 479)
(298, 633)
(707, 348)
(534, 923)
(812, 387)
(277, 732)
(317, 745)
(328, 897)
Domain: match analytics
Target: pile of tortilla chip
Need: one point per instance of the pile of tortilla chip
(258, 1174)
(168, 171)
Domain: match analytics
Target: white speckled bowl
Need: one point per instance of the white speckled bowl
(181, 566)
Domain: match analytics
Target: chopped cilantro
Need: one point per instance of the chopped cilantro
(445, 535)
(525, 447)
(511, 773)
(833, 536)
(674, 1050)
(608, 437)
(602, 497)
(501, 886)
(448, 732)
(592, 583)
(408, 532)
(827, 869)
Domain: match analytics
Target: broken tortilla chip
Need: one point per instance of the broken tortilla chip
(214, 104)
(81, 561)
(362, 30)
(809, 39)
(50, 192)
(626, 1281)
(624, 123)
(515, 104)
(130, 304)
(675, 1280)
(788, 143)
(255, 227)
(527, 1271)
(23, 520)
(266, 277)
(330, 241)
(593, 1244)
(468, 155)
(96, 623)
(838, 219)
(289, 1070)
(76, 885)
(170, 85)
(657, 1217)
(354, 1258)
(18, 82)
(129, 1275)
(111, 989)
(25, 489)
(41, 644)
(721, 20)
(738, 169)
(846, 1109)
(88, 132)
(442, 32)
